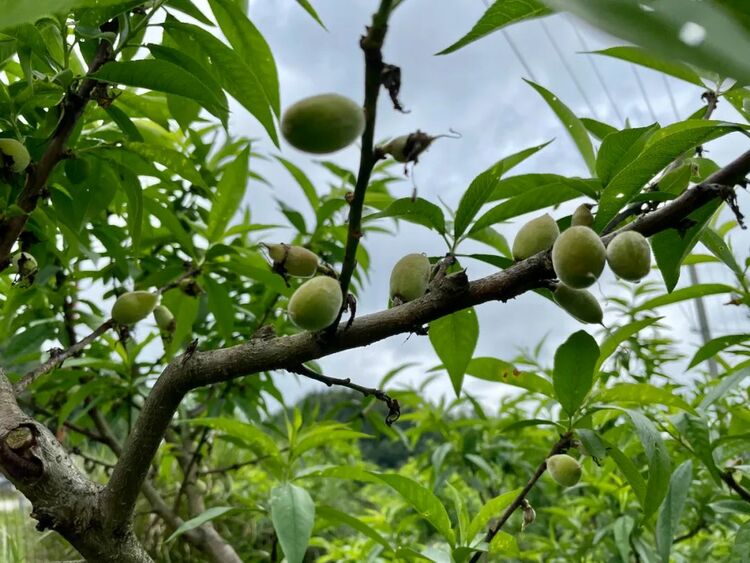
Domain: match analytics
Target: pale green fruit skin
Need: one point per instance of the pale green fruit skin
(297, 260)
(164, 318)
(409, 277)
(565, 470)
(323, 124)
(24, 263)
(133, 307)
(316, 303)
(578, 257)
(582, 217)
(629, 256)
(19, 154)
(536, 235)
(395, 148)
(579, 303)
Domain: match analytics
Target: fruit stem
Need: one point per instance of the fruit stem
(371, 44)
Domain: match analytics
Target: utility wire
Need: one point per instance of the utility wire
(672, 101)
(568, 68)
(595, 67)
(642, 88)
(515, 49)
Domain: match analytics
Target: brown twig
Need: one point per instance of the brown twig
(56, 359)
(561, 446)
(732, 483)
(371, 44)
(394, 409)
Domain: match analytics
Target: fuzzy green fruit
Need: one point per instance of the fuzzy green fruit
(164, 319)
(579, 303)
(293, 260)
(536, 235)
(582, 216)
(323, 124)
(316, 303)
(16, 151)
(24, 263)
(629, 256)
(409, 277)
(564, 469)
(133, 306)
(397, 148)
(578, 257)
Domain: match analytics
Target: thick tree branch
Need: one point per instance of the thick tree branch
(72, 108)
(454, 293)
(371, 44)
(561, 446)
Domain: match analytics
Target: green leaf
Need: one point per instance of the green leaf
(620, 149)
(221, 305)
(17, 13)
(695, 431)
(293, 516)
(671, 509)
(725, 383)
(418, 211)
(247, 433)
(331, 514)
(124, 123)
(664, 146)
(493, 369)
(483, 186)
(642, 394)
(161, 76)
(491, 509)
(502, 13)
(171, 223)
(645, 58)
(234, 74)
(741, 547)
(229, 193)
(718, 43)
(598, 129)
(572, 124)
(503, 544)
(573, 372)
(524, 183)
(250, 45)
(716, 345)
(672, 247)
(134, 194)
(427, 505)
(719, 248)
(454, 338)
(658, 462)
(494, 239)
(310, 10)
(683, 294)
(187, 7)
(207, 516)
(630, 471)
(303, 181)
(172, 160)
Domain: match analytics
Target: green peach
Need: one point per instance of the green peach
(323, 124)
(164, 318)
(17, 152)
(133, 306)
(295, 260)
(582, 216)
(409, 277)
(578, 257)
(579, 303)
(535, 236)
(629, 256)
(564, 469)
(316, 303)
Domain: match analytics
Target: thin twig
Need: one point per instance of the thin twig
(701, 525)
(729, 479)
(371, 44)
(56, 359)
(561, 446)
(394, 410)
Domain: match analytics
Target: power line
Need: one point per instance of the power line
(595, 67)
(642, 88)
(515, 49)
(568, 68)
(671, 96)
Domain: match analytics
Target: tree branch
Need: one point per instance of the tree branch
(394, 410)
(561, 446)
(732, 483)
(371, 44)
(72, 108)
(454, 293)
(56, 359)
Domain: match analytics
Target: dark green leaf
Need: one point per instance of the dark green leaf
(493, 369)
(454, 338)
(645, 58)
(310, 10)
(331, 514)
(620, 149)
(573, 372)
(683, 294)
(207, 516)
(229, 194)
(293, 515)
(419, 211)
(713, 347)
(671, 509)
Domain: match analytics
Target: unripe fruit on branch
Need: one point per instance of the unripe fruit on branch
(579, 303)
(164, 319)
(17, 152)
(564, 469)
(629, 256)
(24, 263)
(293, 260)
(536, 235)
(316, 303)
(407, 148)
(582, 216)
(409, 278)
(578, 257)
(133, 306)
(323, 124)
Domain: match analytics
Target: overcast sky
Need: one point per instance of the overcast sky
(478, 91)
